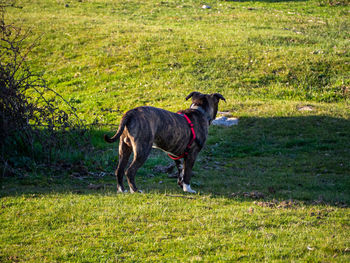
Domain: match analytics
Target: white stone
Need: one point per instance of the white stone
(224, 121)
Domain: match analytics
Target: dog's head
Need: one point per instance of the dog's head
(208, 102)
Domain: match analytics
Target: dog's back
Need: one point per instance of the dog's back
(161, 128)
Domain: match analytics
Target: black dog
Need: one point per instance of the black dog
(181, 135)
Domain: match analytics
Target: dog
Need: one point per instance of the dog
(181, 135)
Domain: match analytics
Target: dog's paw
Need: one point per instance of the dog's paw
(121, 191)
(137, 191)
(187, 188)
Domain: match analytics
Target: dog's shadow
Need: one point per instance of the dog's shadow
(305, 158)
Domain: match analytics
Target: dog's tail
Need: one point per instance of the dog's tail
(116, 136)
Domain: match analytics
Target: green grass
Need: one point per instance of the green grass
(161, 228)
(268, 58)
(109, 56)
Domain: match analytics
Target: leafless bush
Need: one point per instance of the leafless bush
(32, 122)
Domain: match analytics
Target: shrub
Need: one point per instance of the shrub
(32, 122)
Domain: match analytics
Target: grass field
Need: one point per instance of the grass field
(274, 188)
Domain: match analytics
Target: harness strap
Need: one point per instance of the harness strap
(190, 124)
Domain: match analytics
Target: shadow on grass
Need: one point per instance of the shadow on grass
(302, 158)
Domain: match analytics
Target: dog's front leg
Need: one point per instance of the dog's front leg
(179, 167)
(187, 172)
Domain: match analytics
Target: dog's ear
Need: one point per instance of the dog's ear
(218, 96)
(193, 94)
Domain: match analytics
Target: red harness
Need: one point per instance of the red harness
(191, 140)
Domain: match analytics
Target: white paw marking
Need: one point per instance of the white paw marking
(187, 188)
(138, 191)
(120, 190)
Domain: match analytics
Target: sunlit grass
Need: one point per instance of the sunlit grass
(114, 55)
(268, 58)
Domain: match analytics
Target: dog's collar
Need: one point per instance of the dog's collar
(201, 110)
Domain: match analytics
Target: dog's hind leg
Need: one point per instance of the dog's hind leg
(140, 156)
(125, 151)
